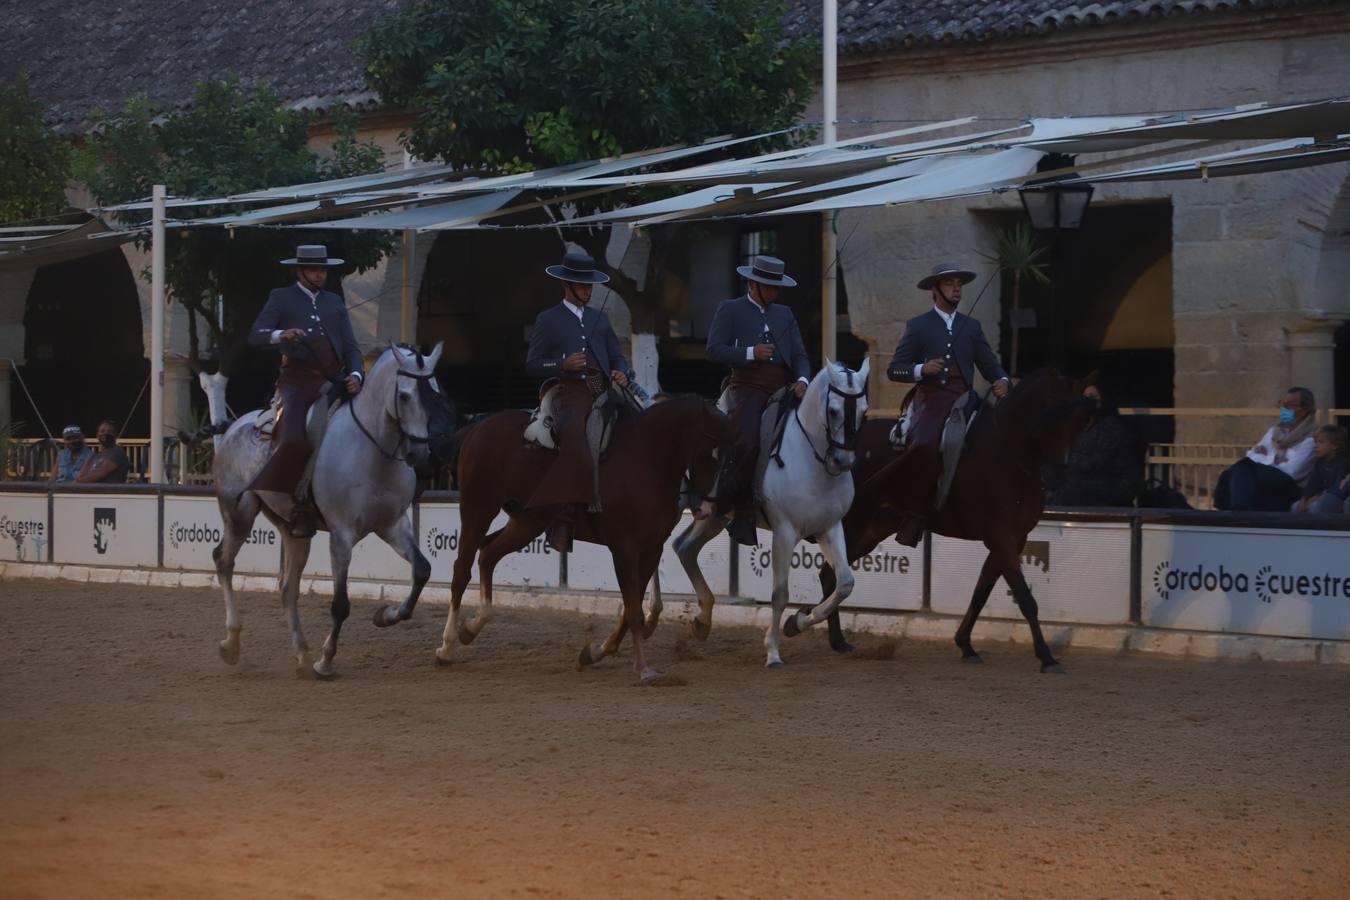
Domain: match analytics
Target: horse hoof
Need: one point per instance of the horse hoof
(1053, 669)
(790, 628)
(386, 616)
(972, 657)
(465, 635)
(229, 652)
(324, 671)
(648, 676)
(585, 657)
(842, 647)
(649, 628)
(442, 658)
(700, 629)
(774, 664)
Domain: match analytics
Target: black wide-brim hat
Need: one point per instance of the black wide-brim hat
(311, 255)
(578, 268)
(946, 270)
(767, 270)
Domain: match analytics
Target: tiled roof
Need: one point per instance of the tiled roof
(90, 56)
(871, 25)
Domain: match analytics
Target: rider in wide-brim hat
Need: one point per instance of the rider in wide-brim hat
(943, 271)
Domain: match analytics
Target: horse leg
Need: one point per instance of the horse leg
(513, 537)
(989, 573)
(832, 547)
(400, 536)
(633, 577)
(784, 540)
(470, 539)
(838, 643)
(687, 547)
(340, 547)
(1026, 602)
(294, 555)
(593, 653)
(235, 522)
(654, 612)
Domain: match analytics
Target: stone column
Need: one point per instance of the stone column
(1312, 344)
(177, 394)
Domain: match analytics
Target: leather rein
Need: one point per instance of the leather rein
(404, 436)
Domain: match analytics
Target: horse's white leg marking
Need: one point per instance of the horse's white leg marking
(833, 548)
(687, 548)
(784, 541)
(654, 611)
(295, 552)
(232, 529)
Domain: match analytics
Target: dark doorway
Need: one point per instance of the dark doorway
(82, 342)
(1342, 366)
(1108, 307)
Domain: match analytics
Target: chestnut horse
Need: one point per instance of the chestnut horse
(650, 455)
(996, 495)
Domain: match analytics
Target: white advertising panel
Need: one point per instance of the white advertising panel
(534, 565)
(23, 528)
(1077, 571)
(1255, 581)
(192, 529)
(590, 567)
(890, 577)
(372, 560)
(106, 529)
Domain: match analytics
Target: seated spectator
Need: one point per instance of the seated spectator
(1271, 477)
(71, 457)
(1105, 467)
(109, 465)
(1324, 492)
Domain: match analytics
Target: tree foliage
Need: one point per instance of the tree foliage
(228, 141)
(34, 162)
(509, 84)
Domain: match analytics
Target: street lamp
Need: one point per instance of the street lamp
(1052, 205)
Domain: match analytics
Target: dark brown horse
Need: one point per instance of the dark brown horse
(650, 455)
(996, 495)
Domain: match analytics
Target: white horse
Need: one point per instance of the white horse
(363, 483)
(803, 491)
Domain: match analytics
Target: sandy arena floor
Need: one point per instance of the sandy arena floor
(133, 763)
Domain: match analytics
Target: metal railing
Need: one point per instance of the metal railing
(32, 459)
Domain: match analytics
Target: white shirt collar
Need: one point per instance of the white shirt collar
(575, 310)
(948, 319)
(313, 297)
(762, 309)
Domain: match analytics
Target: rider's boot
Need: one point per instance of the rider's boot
(304, 518)
(742, 527)
(911, 529)
(560, 531)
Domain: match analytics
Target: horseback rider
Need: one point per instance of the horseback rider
(574, 347)
(760, 341)
(311, 328)
(939, 352)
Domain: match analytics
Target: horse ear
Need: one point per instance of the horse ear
(435, 355)
(866, 368)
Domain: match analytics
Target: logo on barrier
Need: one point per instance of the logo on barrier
(105, 526)
(441, 541)
(808, 559)
(18, 530)
(1265, 585)
(193, 533)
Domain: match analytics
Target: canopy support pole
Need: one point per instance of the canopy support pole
(157, 336)
(828, 304)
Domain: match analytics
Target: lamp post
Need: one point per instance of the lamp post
(1052, 205)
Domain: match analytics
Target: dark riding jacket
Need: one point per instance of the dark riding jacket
(926, 337)
(739, 324)
(326, 314)
(558, 333)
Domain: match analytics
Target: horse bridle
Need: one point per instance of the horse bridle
(850, 441)
(404, 436)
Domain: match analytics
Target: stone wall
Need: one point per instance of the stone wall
(1256, 289)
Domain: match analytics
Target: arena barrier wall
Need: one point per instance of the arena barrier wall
(1271, 575)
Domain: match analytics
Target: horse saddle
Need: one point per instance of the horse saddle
(599, 429)
(266, 421)
(951, 445)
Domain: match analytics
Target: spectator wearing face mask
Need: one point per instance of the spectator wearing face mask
(109, 464)
(1324, 492)
(1271, 477)
(72, 456)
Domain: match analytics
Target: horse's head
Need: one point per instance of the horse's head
(1055, 408)
(415, 402)
(841, 394)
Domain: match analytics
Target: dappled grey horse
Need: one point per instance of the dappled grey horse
(363, 483)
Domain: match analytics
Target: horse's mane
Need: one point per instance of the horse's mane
(1021, 402)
